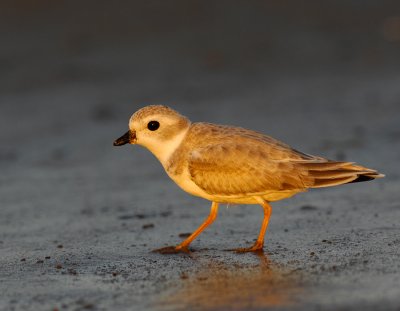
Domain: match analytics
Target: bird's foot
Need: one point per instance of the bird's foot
(172, 250)
(257, 247)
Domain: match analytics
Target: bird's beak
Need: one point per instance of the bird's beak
(128, 138)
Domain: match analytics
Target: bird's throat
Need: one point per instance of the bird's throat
(164, 150)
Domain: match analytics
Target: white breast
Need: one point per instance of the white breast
(164, 151)
(184, 181)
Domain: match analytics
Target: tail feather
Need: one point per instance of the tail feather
(323, 165)
(321, 183)
(330, 173)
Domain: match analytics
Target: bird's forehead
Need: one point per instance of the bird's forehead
(153, 111)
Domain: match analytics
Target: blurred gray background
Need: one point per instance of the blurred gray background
(78, 217)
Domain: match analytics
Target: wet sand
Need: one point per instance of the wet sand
(218, 285)
(79, 217)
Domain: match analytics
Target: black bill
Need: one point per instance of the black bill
(124, 139)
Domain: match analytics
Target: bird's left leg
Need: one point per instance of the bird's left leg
(259, 244)
(210, 219)
(183, 247)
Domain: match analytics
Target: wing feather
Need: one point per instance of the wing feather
(231, 169)
(238, 162)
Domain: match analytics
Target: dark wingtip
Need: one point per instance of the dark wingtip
(362, 178)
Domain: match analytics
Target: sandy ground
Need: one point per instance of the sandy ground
(79, 217)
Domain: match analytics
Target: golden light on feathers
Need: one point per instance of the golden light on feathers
(227, 164)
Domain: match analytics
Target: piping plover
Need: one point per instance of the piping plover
(226, 164)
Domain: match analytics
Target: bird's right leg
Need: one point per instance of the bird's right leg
(185, 244)
(259, 244)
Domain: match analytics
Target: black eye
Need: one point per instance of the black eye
(153, 125)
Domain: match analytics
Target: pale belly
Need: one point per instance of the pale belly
(184, 182)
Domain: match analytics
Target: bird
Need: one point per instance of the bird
(232, 165)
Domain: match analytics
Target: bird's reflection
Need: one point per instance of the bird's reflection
(221, 286)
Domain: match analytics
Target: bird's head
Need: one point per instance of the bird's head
(158, 128)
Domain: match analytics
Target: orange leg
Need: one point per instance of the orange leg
(259, 244)
(183, 247)
(210, 219)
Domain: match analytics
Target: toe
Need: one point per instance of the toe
(171, 250)
(257, 247)
(248, 249)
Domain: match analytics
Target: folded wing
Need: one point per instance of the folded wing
(253, 168)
